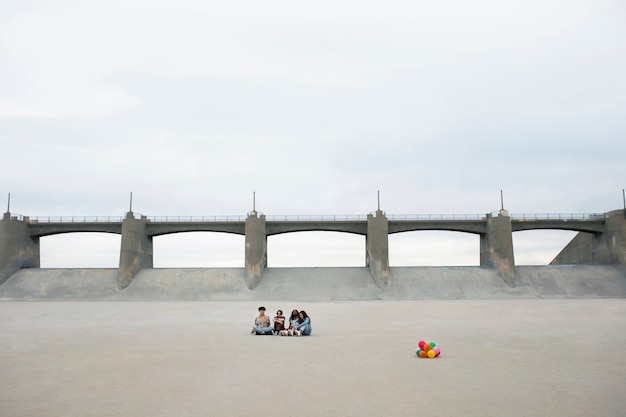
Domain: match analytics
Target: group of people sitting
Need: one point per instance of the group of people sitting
(299, 323)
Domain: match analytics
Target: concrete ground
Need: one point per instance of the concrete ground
(499, 358)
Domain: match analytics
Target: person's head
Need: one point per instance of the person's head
(294, 314)
(279, 313)
(303, 315)
(261, 310)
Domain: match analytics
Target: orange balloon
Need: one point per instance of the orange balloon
(427, 347)
(423, 354)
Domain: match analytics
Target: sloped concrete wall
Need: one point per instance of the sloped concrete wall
(578, 251)
(316, 284)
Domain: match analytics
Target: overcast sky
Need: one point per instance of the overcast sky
(194, 105)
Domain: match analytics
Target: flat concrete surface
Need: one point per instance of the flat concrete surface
(529, 357)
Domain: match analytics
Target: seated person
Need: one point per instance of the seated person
(262, 323)
(303, 326)
(279, 321)
(293, 320)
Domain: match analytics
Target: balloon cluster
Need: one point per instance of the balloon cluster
(427, 350)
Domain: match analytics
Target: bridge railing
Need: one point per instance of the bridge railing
(558, 216)
(312, 218)
(14, 216)
(73, 219)
(316, 218)
(435, 217)
(196, 219)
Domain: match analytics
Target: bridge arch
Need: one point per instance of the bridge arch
(199, 249)
(316, 249)
(80, 250)
(539, 246)
(438, 247)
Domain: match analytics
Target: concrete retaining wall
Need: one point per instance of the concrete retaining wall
(316, 284)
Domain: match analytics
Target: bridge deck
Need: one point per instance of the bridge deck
(357, 224)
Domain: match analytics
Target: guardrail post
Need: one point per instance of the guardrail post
(136, 252)
(496, 247)
(377, 251)
(256, 249)
(17, 248)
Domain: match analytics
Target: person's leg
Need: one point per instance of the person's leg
(305, 330)
(258, 330)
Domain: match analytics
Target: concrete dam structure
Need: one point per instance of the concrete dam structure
(593, 264)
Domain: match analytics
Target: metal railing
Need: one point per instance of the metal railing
(196, 219)
(74, 219)
(317, 218)
(558, 216)
(309, 218)
(435, 217)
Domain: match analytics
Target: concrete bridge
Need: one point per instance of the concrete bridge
(601, 238)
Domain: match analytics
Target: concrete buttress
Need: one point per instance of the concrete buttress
(17, 248)
(610, 246)
(496, 247)
(604, 248)
(136, 250)
(377, 252)
(256, 249)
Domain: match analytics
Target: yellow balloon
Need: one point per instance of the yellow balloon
(432, 354)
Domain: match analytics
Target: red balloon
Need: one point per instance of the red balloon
(421, 344)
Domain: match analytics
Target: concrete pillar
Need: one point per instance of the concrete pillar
(256, 249)
(496, 246)
(610, 246)
(377, 252)
(17, 249)
(136, 252)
